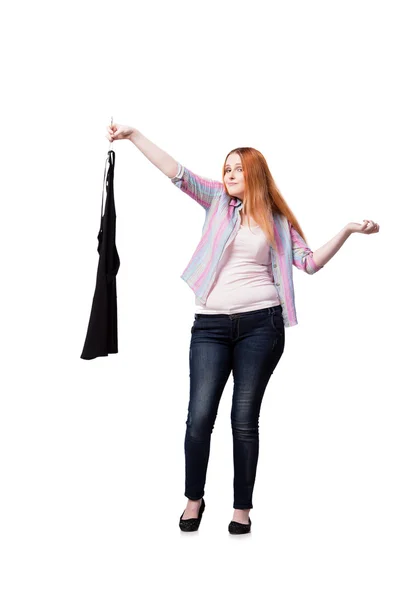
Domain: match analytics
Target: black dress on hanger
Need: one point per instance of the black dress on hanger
(102, 333)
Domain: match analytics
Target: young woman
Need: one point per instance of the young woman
(241, 274)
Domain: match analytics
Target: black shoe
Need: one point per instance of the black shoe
(236, 528)
(192, 524)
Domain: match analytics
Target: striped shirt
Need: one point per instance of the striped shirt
(222, 222)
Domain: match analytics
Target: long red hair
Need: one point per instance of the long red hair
(262, 197)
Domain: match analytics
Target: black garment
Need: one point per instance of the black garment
(102, 333)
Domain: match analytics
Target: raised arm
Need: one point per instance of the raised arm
(160, 159)
(201, 189)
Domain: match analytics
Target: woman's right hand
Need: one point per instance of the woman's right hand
(119, 132)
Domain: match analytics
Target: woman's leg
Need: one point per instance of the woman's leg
(210, 362)
(258, 346)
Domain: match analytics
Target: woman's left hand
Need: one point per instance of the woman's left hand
(366, 227)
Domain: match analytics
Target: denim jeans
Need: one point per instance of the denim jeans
(250, 345)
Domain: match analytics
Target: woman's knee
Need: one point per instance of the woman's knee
(244, 430)
(199, 425)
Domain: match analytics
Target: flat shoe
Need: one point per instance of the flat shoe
(192, 524)
(238, 528)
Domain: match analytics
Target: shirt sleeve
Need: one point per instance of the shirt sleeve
(302, 255)
(179, 173)
(201, 189)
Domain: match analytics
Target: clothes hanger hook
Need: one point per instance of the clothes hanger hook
(110, 146)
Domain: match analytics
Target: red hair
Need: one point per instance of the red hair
(261, 194)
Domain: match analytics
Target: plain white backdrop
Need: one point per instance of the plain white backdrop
(91, 452)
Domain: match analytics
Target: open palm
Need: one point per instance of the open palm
(366, 226)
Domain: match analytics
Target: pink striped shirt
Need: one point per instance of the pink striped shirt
(221, 224)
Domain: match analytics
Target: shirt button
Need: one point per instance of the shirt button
(274, 266)
(278, 284)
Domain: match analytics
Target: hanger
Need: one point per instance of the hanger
(111, 140)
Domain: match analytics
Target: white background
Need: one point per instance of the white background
(92, 460)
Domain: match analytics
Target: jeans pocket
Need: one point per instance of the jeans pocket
(277, 323)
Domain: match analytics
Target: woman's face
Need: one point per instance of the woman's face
(233, 176)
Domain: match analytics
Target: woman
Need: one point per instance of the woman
(241, 274)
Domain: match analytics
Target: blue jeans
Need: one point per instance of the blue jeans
(250, 345)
